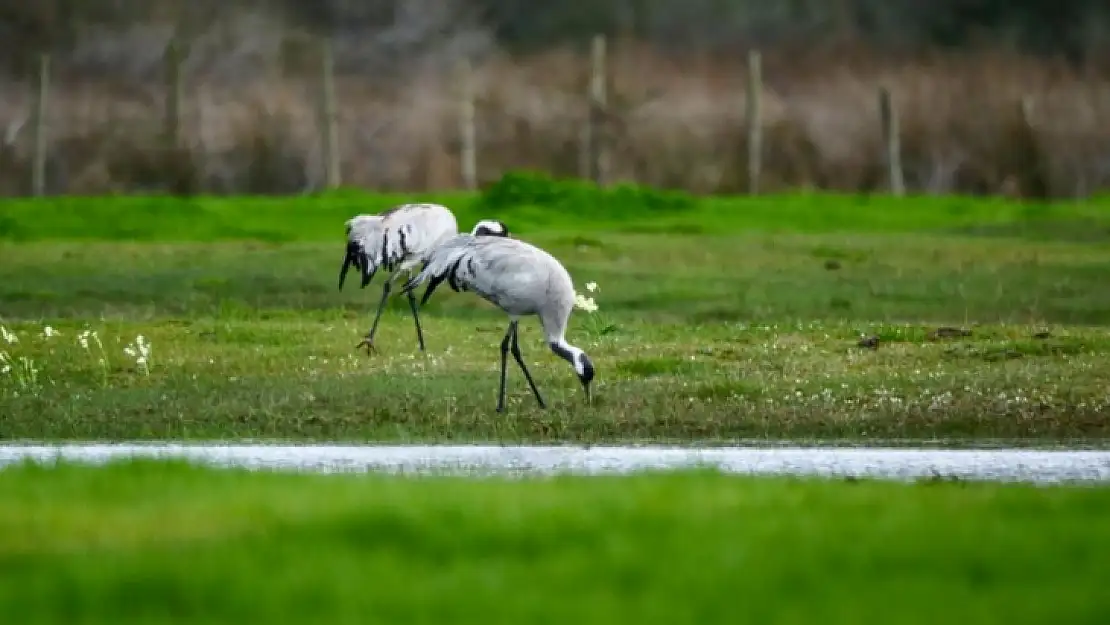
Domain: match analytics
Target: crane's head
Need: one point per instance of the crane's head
(490, 228)
(359, 229)
(582, 364)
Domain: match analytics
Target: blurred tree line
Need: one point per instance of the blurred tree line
(1073, 29)
(1054, 27)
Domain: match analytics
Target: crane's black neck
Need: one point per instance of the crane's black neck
(562, 352)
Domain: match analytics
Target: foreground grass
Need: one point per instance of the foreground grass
(146, 542)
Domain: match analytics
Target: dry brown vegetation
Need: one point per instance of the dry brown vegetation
(674, 123)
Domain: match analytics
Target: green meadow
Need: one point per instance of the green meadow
(809, 317)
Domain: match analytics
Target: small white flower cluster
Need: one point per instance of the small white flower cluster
(10, 338)
(102, 360)
(22, 369)
(83, 339)
(140, 351)
(586, 303)
(22, 374)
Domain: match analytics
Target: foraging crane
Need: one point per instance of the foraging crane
(519, 278)
(398, 240)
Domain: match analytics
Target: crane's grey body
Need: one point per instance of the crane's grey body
(398, 240)
(515, 276)
(519, 278)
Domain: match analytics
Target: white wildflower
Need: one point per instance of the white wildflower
(585, 303)
(591, 286)
(49, 332)
(84, 336)
(140, 351)
(8, 336)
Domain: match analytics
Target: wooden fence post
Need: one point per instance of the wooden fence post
(1025, 109)
(329, 139)
(174, 57)
(468, 150)
(598, 153)
(754, 120)
(888, 115)
(1030, 175)
(38, 162)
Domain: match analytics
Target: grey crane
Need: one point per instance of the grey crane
(398, 240)
(519, 278)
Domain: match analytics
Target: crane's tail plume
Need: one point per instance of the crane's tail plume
(412, 282)
(419, 278)
(368, 271)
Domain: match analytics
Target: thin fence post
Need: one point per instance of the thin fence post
(888, 115)
(599, 158)
(1026, 107)
(1031, 177)
(174, 92)
(754, 120)
(468, 150)
(330, 127)
(38, 163)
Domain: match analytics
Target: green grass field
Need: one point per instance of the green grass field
(719, 319)
(164, 542)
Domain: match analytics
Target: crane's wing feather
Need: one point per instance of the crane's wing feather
(414, 232)
(495, 268)
(442, 264)
(395, 236)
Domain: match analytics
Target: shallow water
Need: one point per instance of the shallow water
(1039, 466)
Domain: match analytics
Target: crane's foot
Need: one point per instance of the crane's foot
(367, 342)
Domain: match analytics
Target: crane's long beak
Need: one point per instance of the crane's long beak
(350, 258)
(586, 388)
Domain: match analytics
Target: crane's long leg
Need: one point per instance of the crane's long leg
(504, 362)
(416, 318)
(368, 340)
(520, 361)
